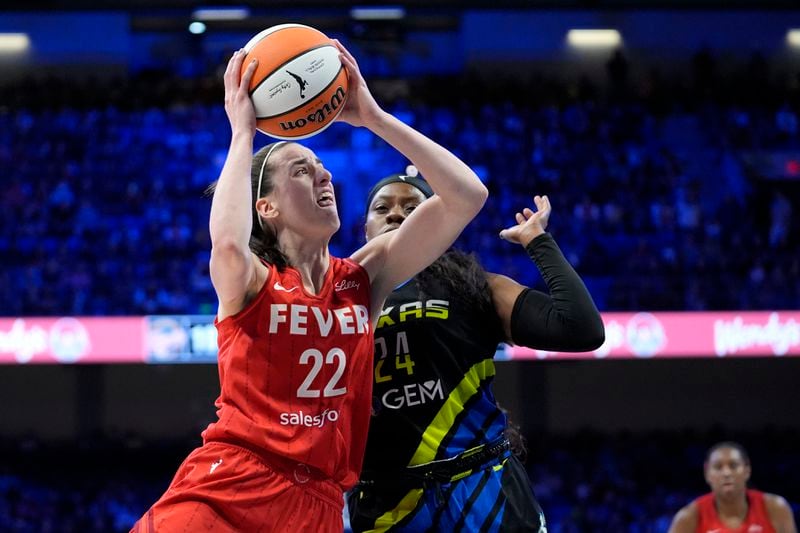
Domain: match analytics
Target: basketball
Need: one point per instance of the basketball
(299, 86)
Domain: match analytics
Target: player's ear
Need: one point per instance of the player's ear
(267, 207)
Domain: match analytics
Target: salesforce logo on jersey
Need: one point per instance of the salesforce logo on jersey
(299, 418)
(413, 394)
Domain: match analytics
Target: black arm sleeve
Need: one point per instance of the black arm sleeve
(566, 319)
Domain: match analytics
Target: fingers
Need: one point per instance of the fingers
(344, 51)
(545, 201)
(231, 76)
(520, 218)
(349, 65)
(347, 59)
(248, 74)
(509, 234)
(227, 76)
(542, 204)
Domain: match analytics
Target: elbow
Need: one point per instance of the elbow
(229, 260)
(476, 197)
(594, 333)
(227, 237)
(225, 246)
(481, 194)
(586, 335)
(591, 333)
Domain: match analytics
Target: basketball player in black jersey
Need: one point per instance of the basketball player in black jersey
(437, 457)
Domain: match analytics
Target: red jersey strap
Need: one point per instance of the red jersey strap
(756, 521)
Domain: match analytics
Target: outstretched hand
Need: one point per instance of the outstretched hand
(238, 105)
(360, 106)
(530, 224)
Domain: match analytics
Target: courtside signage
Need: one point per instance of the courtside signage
(67, 340)
(193, 338)
(700, 334)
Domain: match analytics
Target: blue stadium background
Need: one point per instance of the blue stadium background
(672, 162)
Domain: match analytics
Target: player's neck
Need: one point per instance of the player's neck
(311, 263)
(732, 510)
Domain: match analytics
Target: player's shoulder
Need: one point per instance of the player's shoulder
(685, 520)
(690, 510)
(776, 503)
(347, 266)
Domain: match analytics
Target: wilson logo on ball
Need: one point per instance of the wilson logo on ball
(321, 115)
(299, 86)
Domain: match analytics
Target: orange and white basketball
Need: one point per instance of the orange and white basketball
(299, 86)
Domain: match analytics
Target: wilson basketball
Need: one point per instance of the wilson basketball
(299, 86)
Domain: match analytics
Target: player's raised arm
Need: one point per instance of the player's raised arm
(230, 224)
(435, 224)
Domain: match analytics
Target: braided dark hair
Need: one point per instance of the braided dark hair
(462, 274)
(517, 441)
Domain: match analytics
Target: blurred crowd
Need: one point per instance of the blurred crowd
(586, 483)
(103, 210)
(659, 199)
(667, 195)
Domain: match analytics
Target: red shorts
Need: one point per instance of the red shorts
(223, 487)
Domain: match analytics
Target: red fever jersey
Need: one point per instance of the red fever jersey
(296, 371)
(757, 520)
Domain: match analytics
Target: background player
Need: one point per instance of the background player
(731, 507)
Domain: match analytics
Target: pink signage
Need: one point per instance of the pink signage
(192, 338)
(679, 334)
(71, 340)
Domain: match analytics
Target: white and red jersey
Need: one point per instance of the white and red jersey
(296, 371)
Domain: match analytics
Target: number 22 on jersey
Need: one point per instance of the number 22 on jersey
(314, 357)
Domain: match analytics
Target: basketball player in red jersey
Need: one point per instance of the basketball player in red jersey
(731, 507)
(295, 325)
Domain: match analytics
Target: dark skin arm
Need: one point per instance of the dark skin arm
(685, 520)
(780, 514)
(504, 289)
(566, 319)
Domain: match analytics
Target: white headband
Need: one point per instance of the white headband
(261, 177)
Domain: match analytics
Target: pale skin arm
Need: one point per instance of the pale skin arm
(505, 290)
(685, 521)
(235, 271)
(430, 230)
(780, 514)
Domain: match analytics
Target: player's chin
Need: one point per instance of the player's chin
(329, 209)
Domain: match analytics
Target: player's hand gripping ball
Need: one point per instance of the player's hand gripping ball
(299, 86)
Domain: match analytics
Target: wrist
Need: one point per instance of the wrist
(377, 120)
(245, 136)
(534, 243)
(531, 238)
